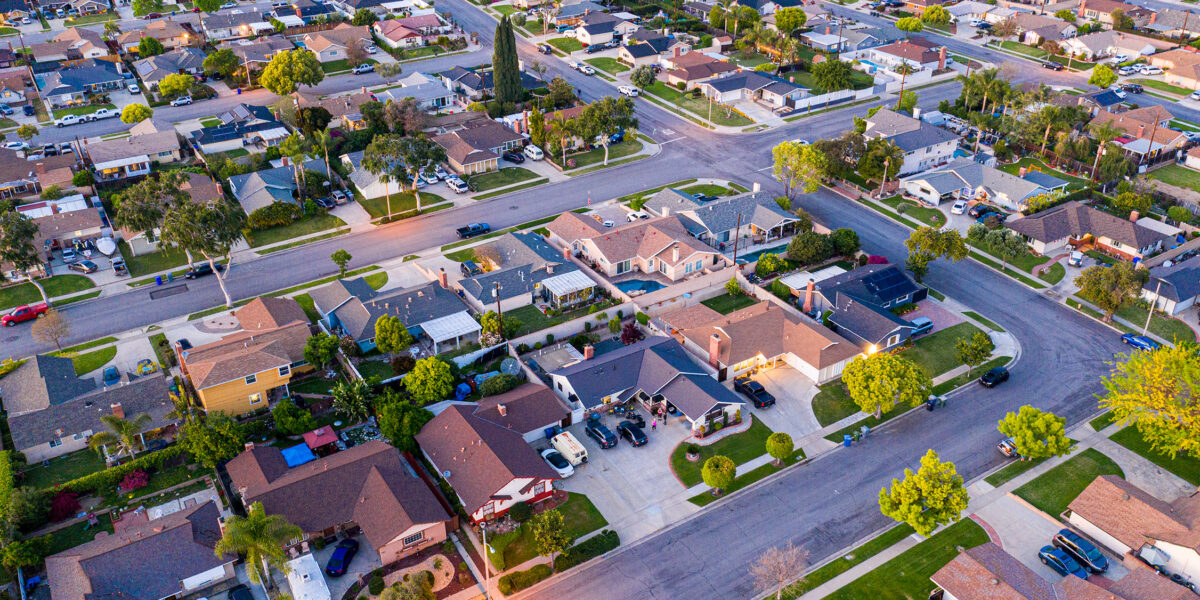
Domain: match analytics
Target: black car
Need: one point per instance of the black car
(326, 203)
(633, 433)
(240, 592)
(603, 435)
(1132, 88)
(979, 210)
(545, 49)
(28, 110)
(201, 270)
(1083, 551)
(594, 48)
(339, 561)
(514, 157)
(754, 391)
(1053, 66)
(469, 268)
(994, 377)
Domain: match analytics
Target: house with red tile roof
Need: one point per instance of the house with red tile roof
(662, 245)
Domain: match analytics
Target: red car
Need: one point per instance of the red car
(21, 314)
(153, 16)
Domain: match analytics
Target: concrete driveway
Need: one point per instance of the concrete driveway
(364, 562)
(129, 352)
(792, 413)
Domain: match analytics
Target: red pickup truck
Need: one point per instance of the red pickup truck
(21, 314)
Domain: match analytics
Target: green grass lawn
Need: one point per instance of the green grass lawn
(533, 319)
(153, 262)
(1054, 274)
(1028, 161)
(1020, 48)
(1177, 175)
(833, 403)
(62, 469)
(210, 122)
(81, 110)
(159, 480)
(93, 19)
(1184, 125)
(1186, 467)
(907, 576)
(926, 216)
(90, 361)
(935, 353)
(610, 65)
(501, 178)
(726, 304)
(504, 9)
(376, 280)
(858, 81)
(842, 564)
(77, 534)
(235, 153)
(747, 478)
(580, 518)
(566, 44)
(27, 293)
(1053, 490)
(1011, 471)
(709, 189)
(306, 302)
(596, 157)
(375, 368)
(1163, 86)
(335, 66)
(739, 447)
(302, 227)
(699, 106)
(313, 385)
(981, 319)
(753, 61)
(1103, 421)
(1167, 328)
(401, 203)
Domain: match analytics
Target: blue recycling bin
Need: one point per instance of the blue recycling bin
(239, 91)
(158, 280)
(170, 277)
(846, 440)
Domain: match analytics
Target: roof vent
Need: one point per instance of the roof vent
(446, 474)
(995, 581)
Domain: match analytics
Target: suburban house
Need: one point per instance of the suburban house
(693, 68)
(489, 466)
(1034, 29)
(306, 11)
(90, 7)
(115, 565)
(1183, 67)
(965, 179)
(761, 336)
(859, 303)
(396, 35)
(1173, 288)
(429, 92)
(234, 24)
(245, 371)
(243, 126)
(432, 314)
(180, 60)
(73, 85)
(256, 54)
(716, 222)
(261, 189)
(924, 145)
(1073, 224)
(20, 177)
(773, 91)
(870, 37)
(1173, 23)
(1101, 11)
(527, 409)
(1102, 44)
(171, 34)
(367, 183)
(662, 44)
(200, 189)
(346, 110)
(474, 85)
(134, 156)
(573, 14)
(523, 269)
(653, 372)
(368, 487)
(12, 11)
(918, 53)
(73, 44)
(331, 44)
(426, 23)
(969, 10)
(60, 222)
(52, 412)
(12, 89)
(639, 54)
(477, 147)
(1147, 131)
(661, 246)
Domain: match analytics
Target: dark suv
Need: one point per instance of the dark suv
(603, 435)
(1084, 553)
(202, 269)
(754, 391)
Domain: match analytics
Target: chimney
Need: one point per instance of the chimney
(41, 168)
(917, 112)
(118, 411)
(503, 408)
(567, 253)
(1133, 216)
(756, 188)
(249, 446)
(675, 254)
(675, 52)
(442, 279)
(714, 350)
(666, 211)
(942, 58)
(285, 160)
(588, 352)
(364, 89)
(1141, 130)
(549, 268)
(808, 295)
(1152, 16)
(826, 30)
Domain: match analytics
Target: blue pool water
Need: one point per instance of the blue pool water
(753, 256)
(634, 285)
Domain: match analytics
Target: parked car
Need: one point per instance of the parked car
(229, 5)
(1008, 447)
(201, 270)
(16, 146)
(430, 177)
(240, 592)
(984, 218)
(959, 207)
(148, 16)
(469, 268)
(1075, 259)
(603, 435)
(545, 49)
(1132, 88)
(84, 266)
(6, 110)
(979, 210)
(1084, 552)
(1140, 342)
(339, 561)
(69, 255)
(594, 48)
(1127, 70)
(24, 313)
(459, 186)
(754, 391)
(104, 113)
(1061, 562)
(111, 376)
(1053, 66)
(636, 215)
(68, 120)
(514, 156)
(1194, 96)
(587, 70)
(325, 203)
(633, 433)
(340, 197)
(472, 230)
(182, 101)
(629, 90)
(557, 462)
(441, 173)
(1120, 94)
(371, 49)
(575, 64)
(134, 89)
(921, 326)
(363, 68)
(1150, 70)
(994, 377)
(28, 110)
(534, 153)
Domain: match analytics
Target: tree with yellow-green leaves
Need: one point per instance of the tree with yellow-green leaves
(879, 382)
(1159, 393)
(927, 499)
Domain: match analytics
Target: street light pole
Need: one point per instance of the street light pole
(487, 571)
(1153, 305)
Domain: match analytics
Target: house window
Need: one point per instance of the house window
(285, 370)
(560, 386)
(414, 538)
(255, 398)
(251, 379)
(78, 436)
(488, 509)
(687, 268)
(55, 443)
(892, 341)
(699, 265)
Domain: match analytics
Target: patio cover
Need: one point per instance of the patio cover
(450, 327)
(567, 283)
(320, 437)
(297, 455)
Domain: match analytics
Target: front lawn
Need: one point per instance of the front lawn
(935, 353)
(93, 19)
(610, 65)
(532, 319)
(1053, 490)
(739, 447)
(90, 361)
(580, 517)
(833, 403)
(701, 106)
(58, 285)
(1054, 274)
(401, 202)
(62, 469)
(1178, 176)
(501, 178)
(907, 576)
(566, 44)
(153, 262)
(1162, 86)
(81, 110)
(708, 189)
(726, 304)
(752, 476)
(842, 564)
(335, 66)
(1167, 328)
(981, 319)
(595, 157)
(309, 226)
(925, 215)
(1186, 467)
(1011, 471)
(210, 122)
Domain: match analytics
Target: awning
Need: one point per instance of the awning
(567, 283)
(122, 162)
(450, 327)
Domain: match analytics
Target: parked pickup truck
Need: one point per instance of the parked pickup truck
(104, 113)
(69, 120)
(21, 314)
(473, 230)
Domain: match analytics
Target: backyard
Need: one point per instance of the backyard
(533, 319)
(726, 303)
(1029, 163)
(701, 107)
(77, 534)
(1178, 176)
(1053, 490)
(739, 447)
(62, 469)
(27, 293)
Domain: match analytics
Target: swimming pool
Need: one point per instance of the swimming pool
(753, 256)
(639, 285)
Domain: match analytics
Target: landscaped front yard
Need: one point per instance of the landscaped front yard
(27, 293)
(308, 226)
(610, 65)
(87, 362)
(335, 66)
(699, 106)
(566, 44)
(1053, 490)
(833, 403)
(1182, 465)
(498, 179)
(1178, 175)
(580, 517)
(595, 157)
(153, 262)
(935, 353)
(86, 109)
(925, 215)
(401, 202)
(739, 447)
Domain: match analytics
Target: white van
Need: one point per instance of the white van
(570, 448)
(534, 153)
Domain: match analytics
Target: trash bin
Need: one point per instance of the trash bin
(170, 277)
(158, 280)
(239, 91)
(846, 440)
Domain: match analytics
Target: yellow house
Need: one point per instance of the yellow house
(247, 370)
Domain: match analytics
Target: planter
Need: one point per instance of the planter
(692, 457)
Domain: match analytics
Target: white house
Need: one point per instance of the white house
(965, 179)
(924, 145)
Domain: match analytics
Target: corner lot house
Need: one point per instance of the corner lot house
(752, 85)
(245, 371)
(1109, 43)
(168, 557)
(431, 313)
(1183, 67)
(860, 302)
(1073, 224)
(662, 245)
(331, 44)
(368, 487)
(52, 412)
(1173, 288)
(715, 222)
(924, 145)
(965, 179)
(477, 147)
(490, 467)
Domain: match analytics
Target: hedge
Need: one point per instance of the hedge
(588, 549)
(515, 582)
(274, 215)
(109, 478)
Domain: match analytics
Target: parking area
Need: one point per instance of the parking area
(129, 352)
(792, 413)
(365, 561)
(941, 317)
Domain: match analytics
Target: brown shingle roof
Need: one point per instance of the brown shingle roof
(1140, 123)
(266, 312)
(649, 238)
(526, 408)
(246, 353)
(1144, 584)
(768, 330)
(909, 49)
(572, 226)
(1125, 512)
(701, 71)
(338, 106)
(1074, 219)
(989, 573)
(341, 35)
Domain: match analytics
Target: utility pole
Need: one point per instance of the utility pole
(499, 312)
(1153, 305)
(487, 550)
(737, 232)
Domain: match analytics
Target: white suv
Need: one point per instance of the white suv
(628, 90)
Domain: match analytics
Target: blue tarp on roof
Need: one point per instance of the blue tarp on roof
(298, 455)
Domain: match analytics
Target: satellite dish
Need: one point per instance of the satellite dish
(510, 366)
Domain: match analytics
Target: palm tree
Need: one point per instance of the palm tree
(112, 29)
(1103, 133)
(563, 129)
(904, 70)
(261, 538)
(380, 159)
(323, 139)
(125, 433)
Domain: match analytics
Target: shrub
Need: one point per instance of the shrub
(590, 548)
(549, 338)
(514, 582)
(136, 479)
(522, 348)
(64, 506)
(498, 384)
(693, 449)
(520, 512)
(587, 326)
(643, 318)
(375, 585)
(768, 264)
(318, 542)
(274, 215)
(109, 478)
(403, 364)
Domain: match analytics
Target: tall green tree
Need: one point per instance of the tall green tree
(878, 382)
(320, 349)
(259, 537)
(341, 258)
(291, 419)
(780, 446)
(175, 84)
(549, 532)
(27, 132)
(212, 439)
(290, 69)
(1111, 288)
(122, 432)
(609, 116)
(419, 154)
(208, 230)
(1036, 434)
(931, 497)
(1102, 76)
(363, 17)
(208, 6)
(643, 76)
(928, 244)
(506, 70)
(789, 19)
(391, 336)
(881, 160)
(910, 25)
(537, 127)
(135, 113)
(17, 233)
(799, 167)
(935, 14)
(221, 62)
(1006, 244)
(974, 350)
(833, 75)
(1159, 393)
(400, 421)
(150, 47)
(431, 380)
(382, 159)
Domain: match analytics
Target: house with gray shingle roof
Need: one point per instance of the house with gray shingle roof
(715, 221)
(1173, 288)
(524, 269)
(431, 313)
(1055, 228)
(261, 189)
(924, 145)
(180, 60)
(965, 179)
(754, 86)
